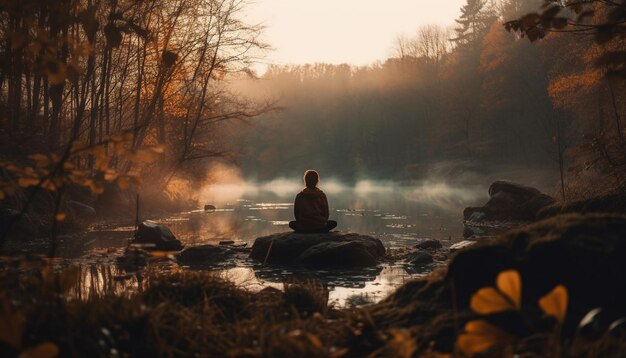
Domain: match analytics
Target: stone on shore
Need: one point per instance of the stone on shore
(331, 249)
(429, 244)
(509, 202)
(204, 255)
(156, 237)
(420, 258)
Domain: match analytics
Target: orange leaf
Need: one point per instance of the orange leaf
(110, 175)
(60, 217)
(315, 341)
(488, 300)
(555, 303)
(159, 254)
(1, 194)
(43, 350)
(123, 183)
(26, 182)
(510, 283)
(479, 336)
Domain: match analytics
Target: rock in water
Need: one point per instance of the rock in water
(429, 244)
(461, 245)
(156, 237)
(209, 207)
(420, 259)
(203, 255)
(322, 249)
(509, 201)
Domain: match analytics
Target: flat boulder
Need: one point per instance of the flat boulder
(420, 258)
(204, 255)
(156, 237)
(429, 244)
(331, 249)
(510, 202)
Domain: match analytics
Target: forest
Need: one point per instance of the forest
(122, 121)
(475, 97)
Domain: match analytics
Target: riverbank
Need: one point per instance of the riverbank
(184, 313)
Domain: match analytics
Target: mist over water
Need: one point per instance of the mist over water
(435, 194)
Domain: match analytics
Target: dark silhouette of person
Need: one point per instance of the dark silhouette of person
(311, 207)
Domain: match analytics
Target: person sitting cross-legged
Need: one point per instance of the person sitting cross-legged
(311, 208)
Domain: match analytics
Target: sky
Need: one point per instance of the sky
(358, 32)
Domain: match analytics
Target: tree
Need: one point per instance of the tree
(589, 85)
(474, 21)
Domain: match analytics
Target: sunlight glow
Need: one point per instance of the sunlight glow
(358, 32)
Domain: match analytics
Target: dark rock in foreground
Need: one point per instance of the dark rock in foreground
(509, 202)
(204, 255)
(324, 249)
(584, 253)
(156, 237)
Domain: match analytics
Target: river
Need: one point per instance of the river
(401, 216)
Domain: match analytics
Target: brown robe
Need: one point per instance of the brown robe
(311, 209)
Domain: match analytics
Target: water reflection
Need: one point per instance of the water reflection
(400, 216)
(97, 281)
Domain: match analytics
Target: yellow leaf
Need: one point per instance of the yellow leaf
(60, 217)
(26, 182)
(11, 327)
(479, 336)
(402, 344)
(37, 157)
(42, 160)
(488, 300)
(158, 149)
(510, 283)
(555, 303)
(110, 175)
(49, 185)
(97, 188)
(143, 156)
(123, 183)
(43, 350)
(315, 341)
(159, 254)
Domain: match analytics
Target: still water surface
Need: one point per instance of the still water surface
(401, 216)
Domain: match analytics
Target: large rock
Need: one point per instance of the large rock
(510, 202)
(156, 237)
(324, 249)
(585, 253)
(429, 244)
(204, 255)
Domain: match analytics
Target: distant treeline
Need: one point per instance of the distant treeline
(476, 96)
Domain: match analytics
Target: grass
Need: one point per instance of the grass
(172, 314)
(178, 313)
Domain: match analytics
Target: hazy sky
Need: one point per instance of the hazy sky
(343, 31)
